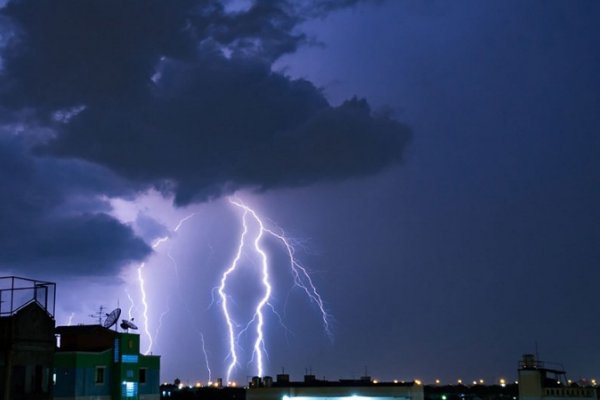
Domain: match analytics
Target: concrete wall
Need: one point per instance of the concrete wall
(27, 347)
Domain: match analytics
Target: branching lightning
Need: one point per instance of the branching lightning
(131, 305)
(301, 276)
(205, 355)
(141, 282)
(224, 303)
(145, 308)
(253, 233)
(301, 279)
(142, 287)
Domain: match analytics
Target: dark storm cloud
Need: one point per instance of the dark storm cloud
(219, 125)
(52, 220)
(181, 95)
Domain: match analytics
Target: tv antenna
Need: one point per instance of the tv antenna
(112, 318)
(98, 315)
(127, 325)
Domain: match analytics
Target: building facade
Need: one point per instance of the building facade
(540, 381)
(26, 338)
(97, 363)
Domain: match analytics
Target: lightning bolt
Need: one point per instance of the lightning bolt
(145, 308)
(301, 279)
(205, 355)
(301, 276)
(152, 339)
(224, 303)
(142, 286)
(160, 321)
(70, 321)
(131, 305)
(259, 343)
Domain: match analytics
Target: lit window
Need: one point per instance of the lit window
(129, 389)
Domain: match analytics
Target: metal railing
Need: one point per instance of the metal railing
(17, 292)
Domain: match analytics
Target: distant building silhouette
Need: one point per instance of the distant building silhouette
(283, 389)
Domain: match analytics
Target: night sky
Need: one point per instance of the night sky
(436, 165)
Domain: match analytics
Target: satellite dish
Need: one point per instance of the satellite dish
(126, 325)
(112, 318)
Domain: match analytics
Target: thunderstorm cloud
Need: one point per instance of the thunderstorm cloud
(176, 95)
(51, 219)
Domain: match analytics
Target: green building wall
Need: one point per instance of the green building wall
(76, 373)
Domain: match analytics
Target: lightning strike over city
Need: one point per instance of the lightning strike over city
(245, 192)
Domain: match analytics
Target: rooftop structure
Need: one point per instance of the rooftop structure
(26, 338)
(16, 293)
(95, 362)
(344, 389)
(544, 381)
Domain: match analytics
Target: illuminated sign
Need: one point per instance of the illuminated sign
(129, 358)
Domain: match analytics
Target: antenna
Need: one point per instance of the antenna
(98, 314)
(112, 318)
(127, 325)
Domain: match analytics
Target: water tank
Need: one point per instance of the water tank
(283, 378)
(529, 361)
(255, 381)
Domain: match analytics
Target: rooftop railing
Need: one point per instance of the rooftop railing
(17, 292)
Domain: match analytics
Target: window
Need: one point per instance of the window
(129, 389)
(99, 375)
(142, 375)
